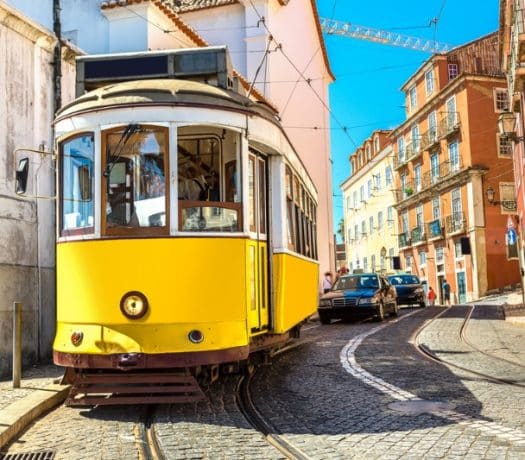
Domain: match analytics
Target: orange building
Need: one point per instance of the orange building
(447, 155)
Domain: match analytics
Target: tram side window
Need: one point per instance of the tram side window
(290, 232)
(299, 242)
(77, 185)
(301, 232)
(135, 175)
(314, 231)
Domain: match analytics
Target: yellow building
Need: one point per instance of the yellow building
(368, 199)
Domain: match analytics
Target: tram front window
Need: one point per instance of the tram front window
(77, 186)
(208, 181)
(135, 176)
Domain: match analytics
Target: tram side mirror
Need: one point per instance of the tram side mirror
(84, 183)
(22, 173)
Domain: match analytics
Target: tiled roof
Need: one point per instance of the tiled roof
(172, 8)
(183, 6)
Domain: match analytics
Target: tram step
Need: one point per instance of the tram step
(133, 388)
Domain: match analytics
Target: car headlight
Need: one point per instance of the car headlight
(325, 303)
(364, 300)
(418, 290)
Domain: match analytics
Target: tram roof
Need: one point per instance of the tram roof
(162, 91)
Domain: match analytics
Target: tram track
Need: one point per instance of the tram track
(258, 421)
(149, 448)
(463, 336)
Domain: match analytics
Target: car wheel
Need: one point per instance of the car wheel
(380, 313)
(324, 318)
(422, 304)
(395, 311)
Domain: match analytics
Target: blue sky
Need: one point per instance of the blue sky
(366, 94)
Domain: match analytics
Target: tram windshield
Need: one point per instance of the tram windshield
(134, 170)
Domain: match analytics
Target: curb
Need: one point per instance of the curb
(515, 314)
(18, 415)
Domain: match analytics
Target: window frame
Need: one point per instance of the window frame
(77, 231)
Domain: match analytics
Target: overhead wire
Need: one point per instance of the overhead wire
(345, 129)
(278, 47)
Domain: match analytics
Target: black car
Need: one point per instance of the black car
(358, 295)
(409, 289)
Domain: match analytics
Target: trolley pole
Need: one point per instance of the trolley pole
(17, 343)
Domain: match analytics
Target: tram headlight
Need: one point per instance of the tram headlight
(133, 305)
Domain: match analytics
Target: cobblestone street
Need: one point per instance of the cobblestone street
(351, 390)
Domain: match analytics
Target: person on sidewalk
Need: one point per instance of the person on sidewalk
(446, 292)
(327, 282)
(431, 296)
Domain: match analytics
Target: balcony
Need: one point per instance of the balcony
(435, 229)
(456, 223)
(429, 139)
(448, 125)
(406, 191)
(417, 235)
(516, 75)
(400, 160)
(404, 239)
(413, 151)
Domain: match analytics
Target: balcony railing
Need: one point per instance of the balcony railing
(448, 125)
(435, 229)
(430, 178)
(517, 48)
(413, 151)
(404, 239)
(400, 160)
(428, 139)
(417, 235)
(455, 223)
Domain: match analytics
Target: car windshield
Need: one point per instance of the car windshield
(403, 279)
(357, 282)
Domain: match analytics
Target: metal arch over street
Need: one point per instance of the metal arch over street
(385, 37)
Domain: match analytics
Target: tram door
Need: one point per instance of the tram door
(258, 245)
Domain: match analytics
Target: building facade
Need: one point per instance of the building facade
(30, 62)
(369, 214)
(448, 156)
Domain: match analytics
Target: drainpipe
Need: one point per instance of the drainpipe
(57, 61)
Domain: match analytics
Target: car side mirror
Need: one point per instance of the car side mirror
(22, 173)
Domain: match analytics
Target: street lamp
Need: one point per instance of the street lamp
(507, 126)
(508, 205)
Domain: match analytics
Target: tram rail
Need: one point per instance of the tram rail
(427, 352)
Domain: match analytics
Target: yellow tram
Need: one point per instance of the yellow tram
(186, 240)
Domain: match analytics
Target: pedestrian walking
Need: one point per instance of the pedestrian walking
(327, 282)
(431, 296)
(446, 292)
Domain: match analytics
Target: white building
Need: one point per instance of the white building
(369, 216)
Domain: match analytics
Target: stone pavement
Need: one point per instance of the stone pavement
(40, 390)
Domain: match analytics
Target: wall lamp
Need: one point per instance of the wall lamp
(508, 205)
(507, 126)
